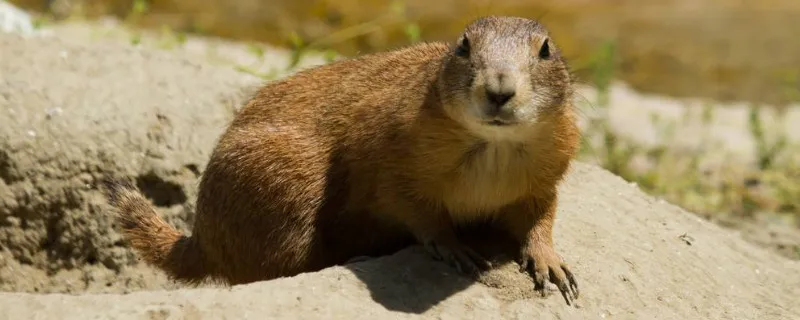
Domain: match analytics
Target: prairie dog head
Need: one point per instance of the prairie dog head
(503, 76)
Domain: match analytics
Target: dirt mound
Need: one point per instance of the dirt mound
(73, 115)
(75, 112)
(636, 258)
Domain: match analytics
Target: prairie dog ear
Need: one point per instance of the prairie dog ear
(544, 48)
(463, 46)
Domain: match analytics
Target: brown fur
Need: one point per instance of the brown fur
(360, 156)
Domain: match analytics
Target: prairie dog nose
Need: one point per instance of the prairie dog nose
(500, 88)
(498, 99)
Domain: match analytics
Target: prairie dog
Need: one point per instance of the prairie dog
(373, 153)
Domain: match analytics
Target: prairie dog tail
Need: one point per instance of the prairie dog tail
(157, 242)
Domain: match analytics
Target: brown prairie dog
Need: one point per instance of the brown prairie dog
(373, 153)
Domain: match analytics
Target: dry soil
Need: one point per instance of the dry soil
(73, 111)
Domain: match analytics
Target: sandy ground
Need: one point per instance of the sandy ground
(61, 133)
(76, 106)
(636, 258)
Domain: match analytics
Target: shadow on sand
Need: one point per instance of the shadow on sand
(411, 281)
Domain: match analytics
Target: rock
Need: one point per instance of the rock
(15, 20)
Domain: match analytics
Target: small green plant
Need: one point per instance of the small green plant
(330, 55)
(255, 49)
(603, 70)
(138, 9)
(413, 32)
(766, 151)
(40, 22)
(271, 75)
(170, 39)
(136, 38)
(298, 47)
(791, 85)
(708, 113)
(395, 14)
(617, 154)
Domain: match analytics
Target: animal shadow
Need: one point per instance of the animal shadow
(412, 281)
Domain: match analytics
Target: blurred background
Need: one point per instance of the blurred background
(722, 49)
(692, 100)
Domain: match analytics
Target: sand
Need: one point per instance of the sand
(74, 110)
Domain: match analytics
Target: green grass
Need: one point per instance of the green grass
(396, 13)
(729, 192)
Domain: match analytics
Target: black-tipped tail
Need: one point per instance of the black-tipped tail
(157, 242)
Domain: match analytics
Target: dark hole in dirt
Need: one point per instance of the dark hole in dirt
(193, 168)
(50, 243)
(751, 182)
(91, 259)
(5, 167)
(162, 193)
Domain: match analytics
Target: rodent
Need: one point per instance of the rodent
(380, 151)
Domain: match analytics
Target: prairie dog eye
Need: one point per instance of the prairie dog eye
(463, 48)
(544, 50)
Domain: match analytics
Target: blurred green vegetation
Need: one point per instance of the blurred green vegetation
(723, 49)
(730, 194)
